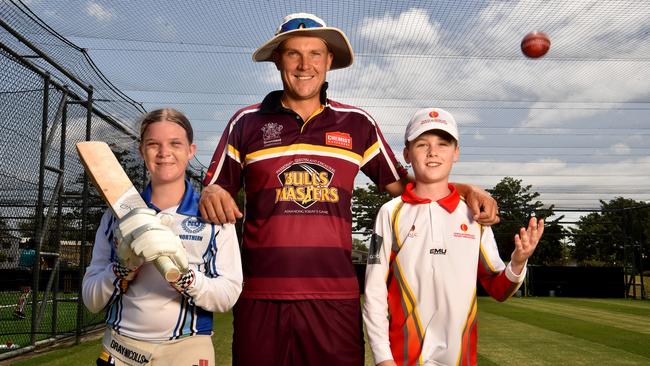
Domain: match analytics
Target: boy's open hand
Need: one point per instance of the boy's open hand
(525, 244)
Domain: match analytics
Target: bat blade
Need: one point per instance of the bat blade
(117, 190)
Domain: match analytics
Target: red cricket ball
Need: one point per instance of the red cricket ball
(535, 44)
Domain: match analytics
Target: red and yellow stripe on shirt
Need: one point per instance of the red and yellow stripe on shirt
(467, 355)
(405, 332)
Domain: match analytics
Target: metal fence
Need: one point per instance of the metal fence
(51, 97)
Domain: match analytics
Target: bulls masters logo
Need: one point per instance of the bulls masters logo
(305, 184)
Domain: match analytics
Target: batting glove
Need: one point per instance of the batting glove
(123, 236)
(142, 237)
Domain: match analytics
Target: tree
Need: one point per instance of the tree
(517, 204)
(5, 231)
(366, 202)
(622, 227)
(551, 248)
(591, 240)
(358, 244)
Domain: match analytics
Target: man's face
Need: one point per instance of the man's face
(303, 63)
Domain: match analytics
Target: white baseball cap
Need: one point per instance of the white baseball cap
(305, 24)
(428, 119)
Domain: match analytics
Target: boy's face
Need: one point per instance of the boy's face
(431, 157)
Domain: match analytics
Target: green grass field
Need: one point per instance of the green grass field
(18, 331)
(521, 331)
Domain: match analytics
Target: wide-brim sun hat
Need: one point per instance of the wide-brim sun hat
(308, 25)
(429, 119)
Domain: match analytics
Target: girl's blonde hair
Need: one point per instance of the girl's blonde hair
(166, 115)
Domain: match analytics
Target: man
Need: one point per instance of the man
(297, 155)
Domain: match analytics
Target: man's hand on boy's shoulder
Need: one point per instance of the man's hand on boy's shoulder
(484, 207)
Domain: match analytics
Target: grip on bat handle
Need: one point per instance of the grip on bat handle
(167, 269)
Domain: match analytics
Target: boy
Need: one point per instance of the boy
(426, 254)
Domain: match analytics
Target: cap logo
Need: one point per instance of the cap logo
(433, 114)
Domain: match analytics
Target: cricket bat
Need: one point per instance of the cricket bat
(116, 188)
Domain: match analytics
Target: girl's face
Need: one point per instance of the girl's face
(166, 152)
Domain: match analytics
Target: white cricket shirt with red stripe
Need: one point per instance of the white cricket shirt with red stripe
(420, 297)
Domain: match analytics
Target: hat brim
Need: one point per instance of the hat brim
(336, 41)
(453, 132)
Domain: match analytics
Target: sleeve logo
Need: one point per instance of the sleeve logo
(375, 247)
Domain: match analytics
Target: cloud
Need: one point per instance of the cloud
(99, 12)
(562, 183)
(165, 27)
(620, 149)
(393, 34)
(478, 137)
(465, 117)
(414, 53)
(614, 38)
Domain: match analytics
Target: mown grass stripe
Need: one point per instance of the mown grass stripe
(626, 306)
(613, 318)
(484, 361)
(509, 342)
(633, 342)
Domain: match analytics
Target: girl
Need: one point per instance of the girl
(151, 321)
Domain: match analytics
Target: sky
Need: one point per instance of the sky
(573, 124)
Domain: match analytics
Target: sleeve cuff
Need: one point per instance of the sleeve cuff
(123, 276)
(516, 278)
(185, 282)
(122, 272)
(381, 353)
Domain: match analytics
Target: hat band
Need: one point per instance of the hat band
(299, 23)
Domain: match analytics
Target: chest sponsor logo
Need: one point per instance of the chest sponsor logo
(306, 184)
(463, 233)
(338, 139)
(271, 133)
(438, 251)
(412, 233)
(192, 225)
